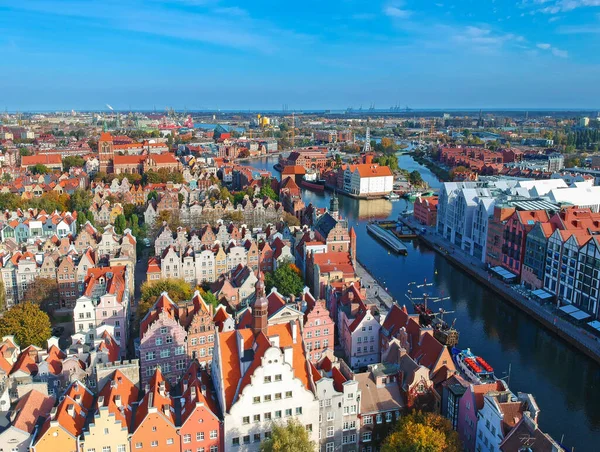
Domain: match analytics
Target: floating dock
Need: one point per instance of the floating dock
(387, 237)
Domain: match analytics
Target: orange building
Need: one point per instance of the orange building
(425, 210)
(154, 427)
(63, 427)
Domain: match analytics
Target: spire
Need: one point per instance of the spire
(334, 206)
(261, 306)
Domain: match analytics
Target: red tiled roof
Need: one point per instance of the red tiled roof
(119, 394)
(42, 159)
(30, 408)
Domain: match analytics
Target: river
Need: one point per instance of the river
(564, 382)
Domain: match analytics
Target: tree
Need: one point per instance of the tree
(290, 437)
(177, 289)
(2, 297)
(24, 152)
(44, 293)
(290, 219)
(120, 223)
(422, 432)
(180, 198)
(286, 279)
(209, 297)
(153, 195)
(415, 178)
(72, 161)
(80, 200)
(29, 325)
(39, 169)
(267, 190)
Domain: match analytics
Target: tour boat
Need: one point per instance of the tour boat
(392, 196)
(386, 237)
(474, 367)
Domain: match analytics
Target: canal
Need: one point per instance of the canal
(565, 383)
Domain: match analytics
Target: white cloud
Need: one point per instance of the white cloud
(558, 6)
(544, 46)
(396, 12)
(560, 53)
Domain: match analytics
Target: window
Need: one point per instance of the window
(278, 414)
(267, 398)
(187, 438)
(194, 341)
(288, 394)
(200, 436)
(150, 356)
(256, 418)
(330, 415)
(288, 412)
(169, 441)
(138, 445)
(246, 420)
(278, 396)
(212, 434)
(329, 433)
(388, 416)
(247, 439)
(154, 444)
(214, 449)
(367, 420)
(165, 352)
(267, 416)
(235, 441)
(105, 448)
(121, 448)
(278, 377)
(257, 437)
(267, 379)
(256, 400)
(379, 419)
(298, 410)
(163, 330)
(366, 436)
(330, 447)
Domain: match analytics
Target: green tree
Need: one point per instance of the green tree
(29, 325)
(44, 293)
(180, 198)
(209, 298)
(286, 279)
(72, 161)
(267, 190)
(120, 223)
(24, 152)
(177, 289)
(153, 195)
(415, 178)
(2, 297)
(90, 218)
(39, 169)
(80, 200)
(290, 437)
(422, 432)
(10, 201)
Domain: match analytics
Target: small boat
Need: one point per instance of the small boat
(311, 181)
(474, 367)
(392, 196)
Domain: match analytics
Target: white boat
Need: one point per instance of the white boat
(475, 368)
(392, 196)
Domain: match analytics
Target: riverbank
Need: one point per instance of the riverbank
(375, 289)
(441, 173)
(575, 336)
(258, 157)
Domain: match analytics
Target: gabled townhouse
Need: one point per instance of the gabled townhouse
(358, 330)
(339, 405)
(261, 375)
(200, 425)
(155, 425)
(112, 420)
(66, 422)
(25, 419)
(162, 342)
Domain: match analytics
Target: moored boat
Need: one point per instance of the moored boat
(474, 367)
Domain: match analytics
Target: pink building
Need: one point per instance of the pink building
(425, 210)
(107, 288)
(162, 341)
(470, 403)
(318, 333)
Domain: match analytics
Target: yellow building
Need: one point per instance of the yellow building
(112, 421)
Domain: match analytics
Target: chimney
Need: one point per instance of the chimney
(166, 410)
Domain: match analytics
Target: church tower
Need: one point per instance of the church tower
(106, 152)
(260, 308)
(334, 207)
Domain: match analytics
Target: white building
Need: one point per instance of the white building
(368, 179)
(84, 318)
(500, 413)
(261, 375)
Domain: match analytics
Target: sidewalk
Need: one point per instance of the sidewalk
(545, 314)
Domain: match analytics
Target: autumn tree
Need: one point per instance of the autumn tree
(177, 289)
(44, 293)
(80, 200)
(72, 161)
(29, 325)
(290, 220)
(287, 279)
(290, 437)
(419, 431)
(2, 297)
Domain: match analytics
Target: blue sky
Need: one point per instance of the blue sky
(201, 54)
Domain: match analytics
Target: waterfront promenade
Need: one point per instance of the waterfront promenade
(376, 290)
(546, 313)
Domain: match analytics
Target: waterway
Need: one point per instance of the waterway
(565, 383)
